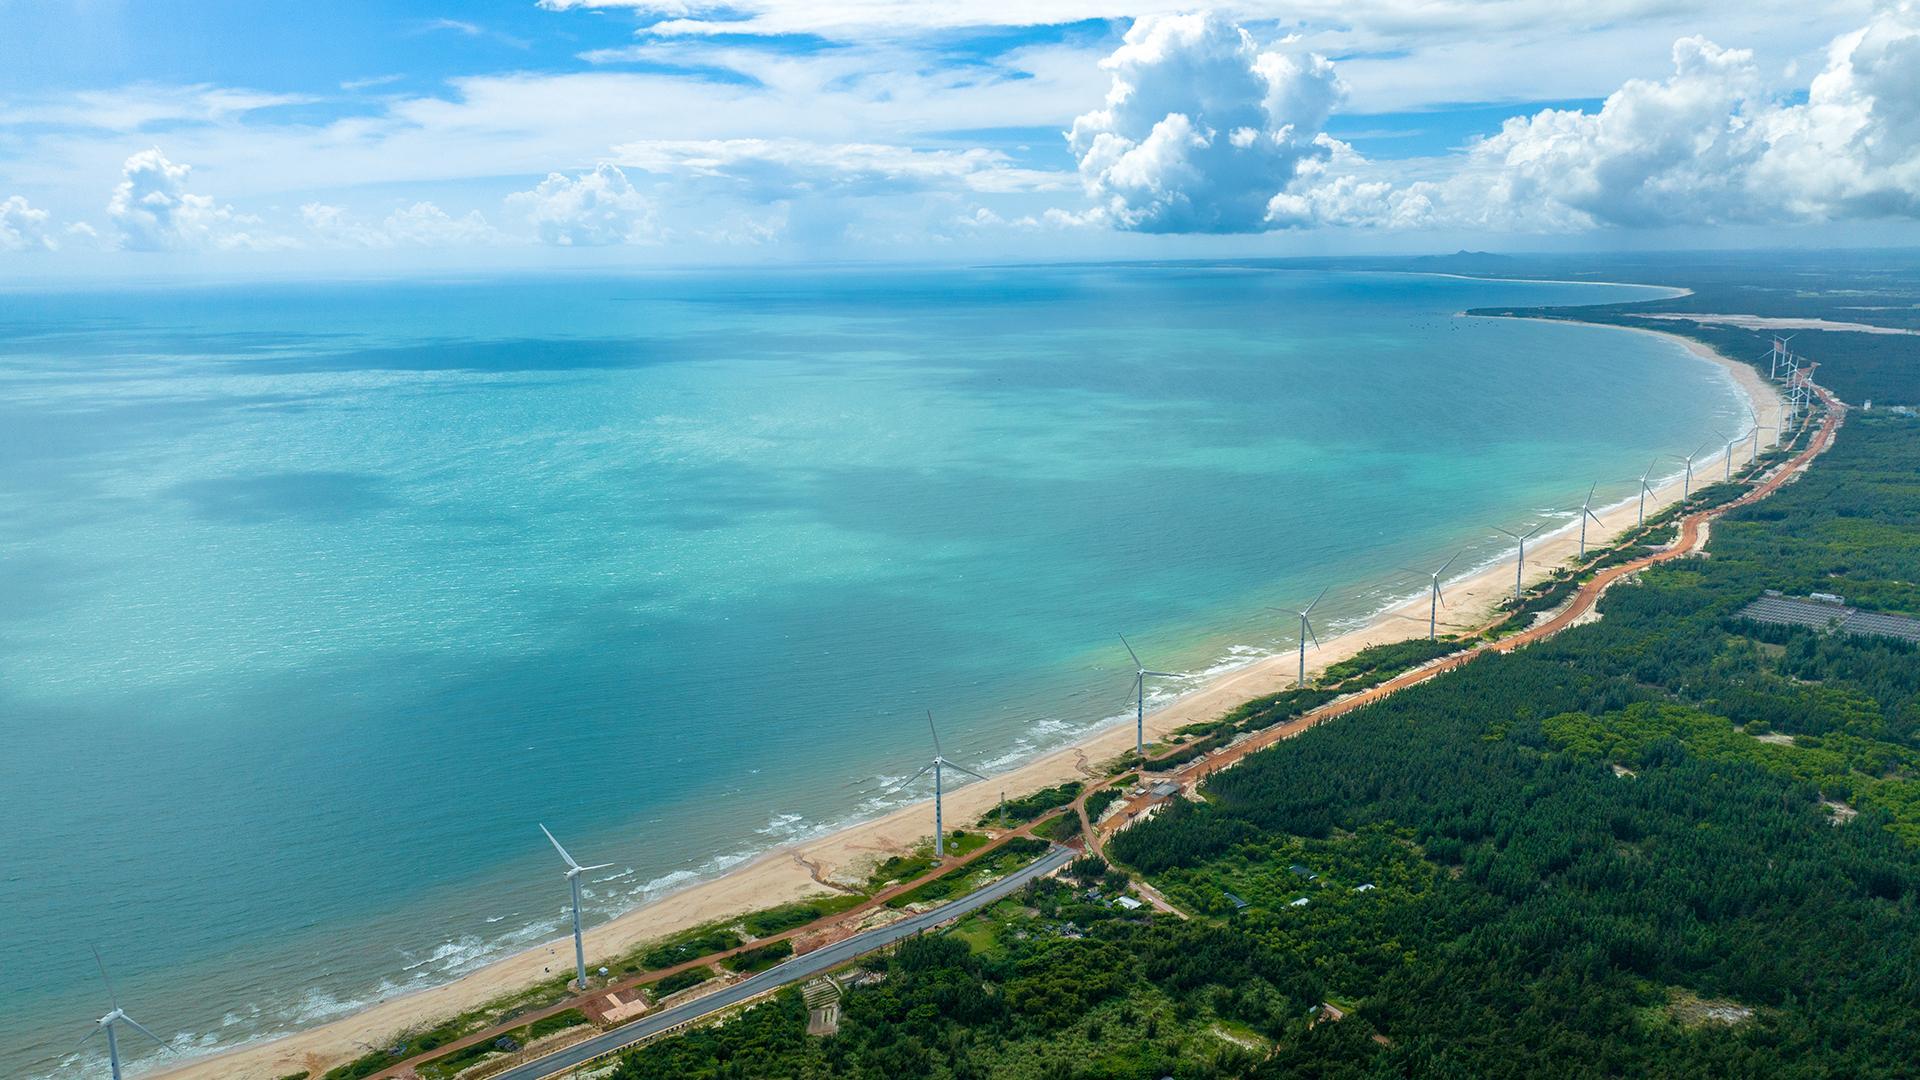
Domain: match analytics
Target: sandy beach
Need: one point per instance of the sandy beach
(784, 874)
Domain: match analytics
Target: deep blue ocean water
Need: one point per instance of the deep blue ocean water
(315, 598)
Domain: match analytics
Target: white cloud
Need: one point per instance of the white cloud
(1201, 128)
(422, 224)
(23, 228)
(592, 209)
(152, 210)
(779, 168)
(1709, 145)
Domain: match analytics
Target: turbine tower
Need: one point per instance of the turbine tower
(1140, 677)
(1686, 485)
(574, 870)
(938, 766)
(1306, 631)
(1434, 597)
(1645, 490)
(117, 1016)
(1520, 567)
(1586, 511)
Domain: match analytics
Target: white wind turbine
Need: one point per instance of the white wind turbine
(1520, 567)
(1646, 490)
(1686, 485)
(574, 870)
(1306, 631)
(1140, 677)
(117, 1016)
(1586, 511)
(938, 765)
(1434, 597)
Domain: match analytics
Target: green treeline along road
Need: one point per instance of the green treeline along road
(1667, 843)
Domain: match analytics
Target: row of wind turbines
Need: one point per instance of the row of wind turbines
(1786, 366)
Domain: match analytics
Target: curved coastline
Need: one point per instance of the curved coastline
(787, 872)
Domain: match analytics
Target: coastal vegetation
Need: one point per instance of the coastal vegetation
(1666, 842)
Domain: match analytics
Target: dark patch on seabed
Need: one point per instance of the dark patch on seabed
(320, 497)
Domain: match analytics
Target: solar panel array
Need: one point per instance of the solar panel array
(1823, 614)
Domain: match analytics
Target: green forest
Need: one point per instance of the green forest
(1666, 843)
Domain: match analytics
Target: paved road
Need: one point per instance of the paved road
(794, 970)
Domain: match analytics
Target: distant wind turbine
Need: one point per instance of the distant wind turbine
(1434, 597)
(117, 1016)
(1646, 490)
(938, 765)
(1753, 455)
(1140, 677)
(1586, 511)
(1686, 485)
(1520, 567)
(1306, 631)
(574, 870)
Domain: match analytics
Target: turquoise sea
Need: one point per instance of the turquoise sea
(315, 598)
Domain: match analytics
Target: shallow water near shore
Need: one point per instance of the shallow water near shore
(318, 597)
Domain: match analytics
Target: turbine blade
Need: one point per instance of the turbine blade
(1438, 593)
(1311, 634)
(936, 733)
(1316, 600)
(571, 865)
(1590, 491)
(596, 866)
(1533, 530)
(112, 994)
(1130, 652)
(1164, 674)
(1509, 532)
(1450, 562)
(966, 770)
(924, 769)
(142, 1028)
(97, 1029)
(1596, 519)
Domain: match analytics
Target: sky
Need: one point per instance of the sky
(158, 137)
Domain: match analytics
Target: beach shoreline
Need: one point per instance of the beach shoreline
(789, 872)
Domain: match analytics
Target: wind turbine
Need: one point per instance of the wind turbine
(1645, 490)
(1520, 568)
(1686, 485)
(1306, 631)
(1754, 454)
(574, 870)
(938, 765)
(1434, 598)
(117, 1016)
(1586, 511)
(1778, 352)
(1140, 676)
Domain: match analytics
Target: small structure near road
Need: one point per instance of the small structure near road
(822, 996)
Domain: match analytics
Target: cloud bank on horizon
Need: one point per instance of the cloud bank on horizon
(883, 127)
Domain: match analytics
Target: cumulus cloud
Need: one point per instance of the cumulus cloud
(592, 209)
(152, 210)
(1708, 145)
(1201, 127)
(23, 228)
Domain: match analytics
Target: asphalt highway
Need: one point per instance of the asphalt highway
(794, 970)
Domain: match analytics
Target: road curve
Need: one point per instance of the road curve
(794, 970)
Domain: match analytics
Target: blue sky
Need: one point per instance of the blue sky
(144, 137)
